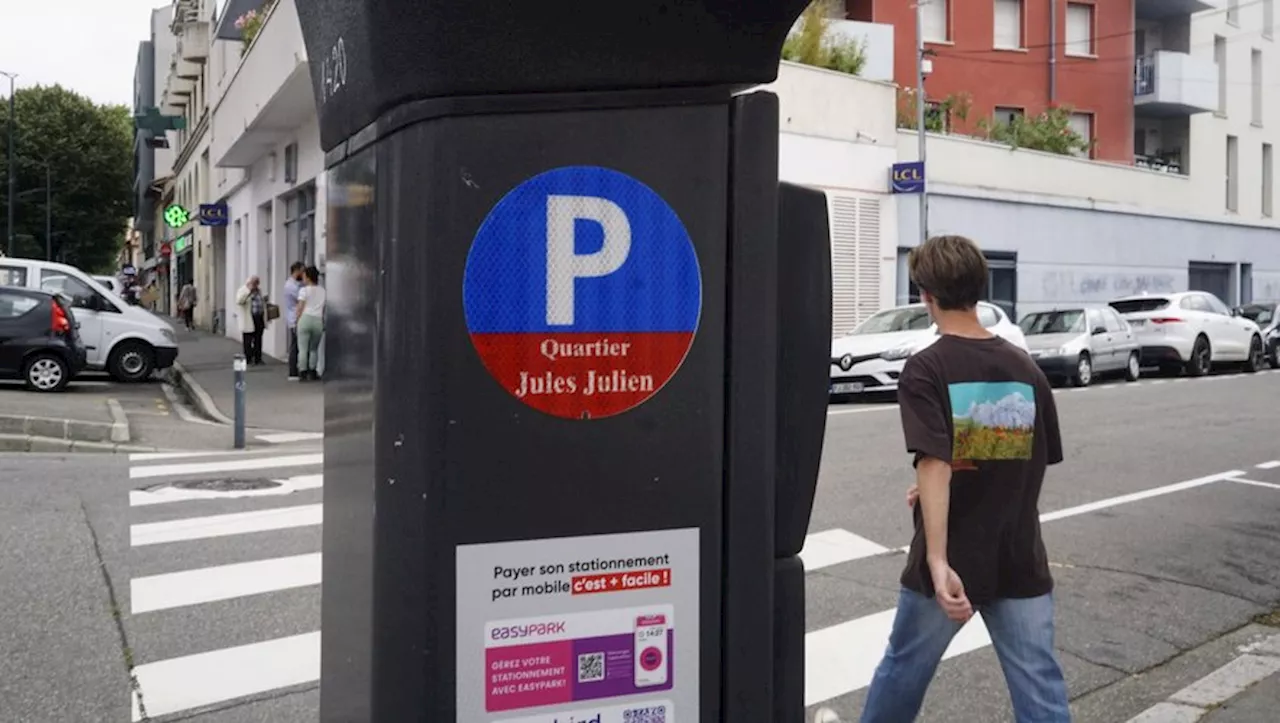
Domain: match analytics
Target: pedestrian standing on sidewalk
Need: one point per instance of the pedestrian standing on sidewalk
(310, 324)
(187, 304)
(291, 288)
(253, 319)
(979, 417)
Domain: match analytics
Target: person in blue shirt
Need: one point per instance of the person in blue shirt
(291, 288)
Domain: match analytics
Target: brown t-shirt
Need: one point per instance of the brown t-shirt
(985, 407)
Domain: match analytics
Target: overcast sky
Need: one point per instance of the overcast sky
(89, 46)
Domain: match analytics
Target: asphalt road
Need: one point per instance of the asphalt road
(219, 614)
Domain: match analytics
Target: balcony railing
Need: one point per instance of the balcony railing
(1144, 75)
(1169, 83)
(1163, 163)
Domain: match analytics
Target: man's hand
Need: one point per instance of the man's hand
(913, 494)
(948, 590)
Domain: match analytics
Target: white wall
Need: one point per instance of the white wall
(876, 41)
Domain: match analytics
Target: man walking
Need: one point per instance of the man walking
(979, 417)
(291, 288)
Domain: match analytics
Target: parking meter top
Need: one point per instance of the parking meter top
(371, 55)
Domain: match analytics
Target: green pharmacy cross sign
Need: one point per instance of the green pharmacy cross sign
(176, 216)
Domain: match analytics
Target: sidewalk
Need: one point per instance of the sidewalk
(271, 400)
(1246, 690)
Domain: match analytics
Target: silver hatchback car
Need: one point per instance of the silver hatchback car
(1078, 343)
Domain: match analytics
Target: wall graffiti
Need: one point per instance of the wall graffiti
(1102, 286)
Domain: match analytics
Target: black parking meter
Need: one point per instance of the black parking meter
(576, 363)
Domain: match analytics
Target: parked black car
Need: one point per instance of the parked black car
(39, 343)
(1267, 317)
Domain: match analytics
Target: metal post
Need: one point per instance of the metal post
(48, 212)
(13, 175)
(240, 366)
(920, 130)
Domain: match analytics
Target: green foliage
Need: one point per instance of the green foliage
(939, 117)
(974, 441)
(1050, 132)
(89, 149)
(811, 44)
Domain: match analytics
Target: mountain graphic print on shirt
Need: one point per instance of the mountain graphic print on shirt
(992, 421)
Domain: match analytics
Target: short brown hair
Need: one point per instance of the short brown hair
(951, 269)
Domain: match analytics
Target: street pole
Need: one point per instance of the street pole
(240, 365)
(13, 176)
(920, 130)
(48, 212)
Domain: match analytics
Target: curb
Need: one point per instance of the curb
(35, 443)
(198, 396)
(119, 422)
(69, 430)
(1259, 662)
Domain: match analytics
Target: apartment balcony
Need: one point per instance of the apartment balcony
(269, 97)
(1162, 9)
(185, 69)
(1168, 83)
(193, 42)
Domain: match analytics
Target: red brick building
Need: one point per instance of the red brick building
(998, 52)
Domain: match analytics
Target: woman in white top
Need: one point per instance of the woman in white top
(310, 324)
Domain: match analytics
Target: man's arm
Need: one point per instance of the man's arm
(933, 478)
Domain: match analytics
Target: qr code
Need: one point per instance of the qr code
(652, 714)
(591, 667)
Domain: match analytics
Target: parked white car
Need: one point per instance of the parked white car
(870, 358)
(127, 341)
(1191, 331)
(112, 283)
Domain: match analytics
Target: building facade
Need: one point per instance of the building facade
(1020, 57)
(152, 153)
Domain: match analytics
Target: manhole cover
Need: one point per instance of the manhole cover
(227, 485)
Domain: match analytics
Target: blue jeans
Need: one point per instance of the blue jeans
(1021, 631)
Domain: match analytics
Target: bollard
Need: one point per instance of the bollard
(240, 366)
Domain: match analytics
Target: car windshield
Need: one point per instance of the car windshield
(908, 318)
(1259, 314)
(1053, 322)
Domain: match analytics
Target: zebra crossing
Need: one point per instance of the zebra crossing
(224, 598)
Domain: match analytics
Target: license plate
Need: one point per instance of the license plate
(1137, 322)
(847, 388)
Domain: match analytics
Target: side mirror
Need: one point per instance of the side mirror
(1099, 330)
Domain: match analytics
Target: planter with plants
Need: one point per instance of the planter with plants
(812, 43)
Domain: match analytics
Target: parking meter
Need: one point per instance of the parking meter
(577, 351)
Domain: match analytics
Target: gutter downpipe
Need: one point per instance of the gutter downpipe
(1053, 51)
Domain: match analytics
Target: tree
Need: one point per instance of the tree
(89, 152)
(812, 44)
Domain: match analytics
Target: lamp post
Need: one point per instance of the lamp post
(920, 115)
(13, 176)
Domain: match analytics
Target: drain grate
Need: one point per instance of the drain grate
(234, 484)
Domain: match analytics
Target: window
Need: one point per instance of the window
(935, 118)
(1233, 173)
(13, 276)
(82, 297)
(1082, 124)
(1233, 12)
(1095, 320)
(1268, 180)
(1002, 282)
(934, 29)
(1220, 58)
(1215, 305)
(1114, 322)
(1005, 114)
(299, 225)
(1255, 81)
(1079, 29)
(1008, 24)
(291, 163)
(14, 305)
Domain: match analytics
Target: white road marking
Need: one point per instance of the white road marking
(230, 465)
(209, 584)
(833, 547)
(843, 658)
(286, 437)
(162, 495)
(1160, 381)
(1269, 485)
(1273, 464)
(179, 684)
(861, 410)
(1228, 681)
(239, 523)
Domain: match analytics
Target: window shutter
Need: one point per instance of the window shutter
(1079, 29)
(1082, 124)
(1008, 23)
(855, 260)
(935, 20)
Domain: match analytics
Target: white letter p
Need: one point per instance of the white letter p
(564, 265)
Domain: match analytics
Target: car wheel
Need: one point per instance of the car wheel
(1201, 358)
(1084, 371)
(1133, 369)
(1257, 356)
(46, 372)
(131, 361)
